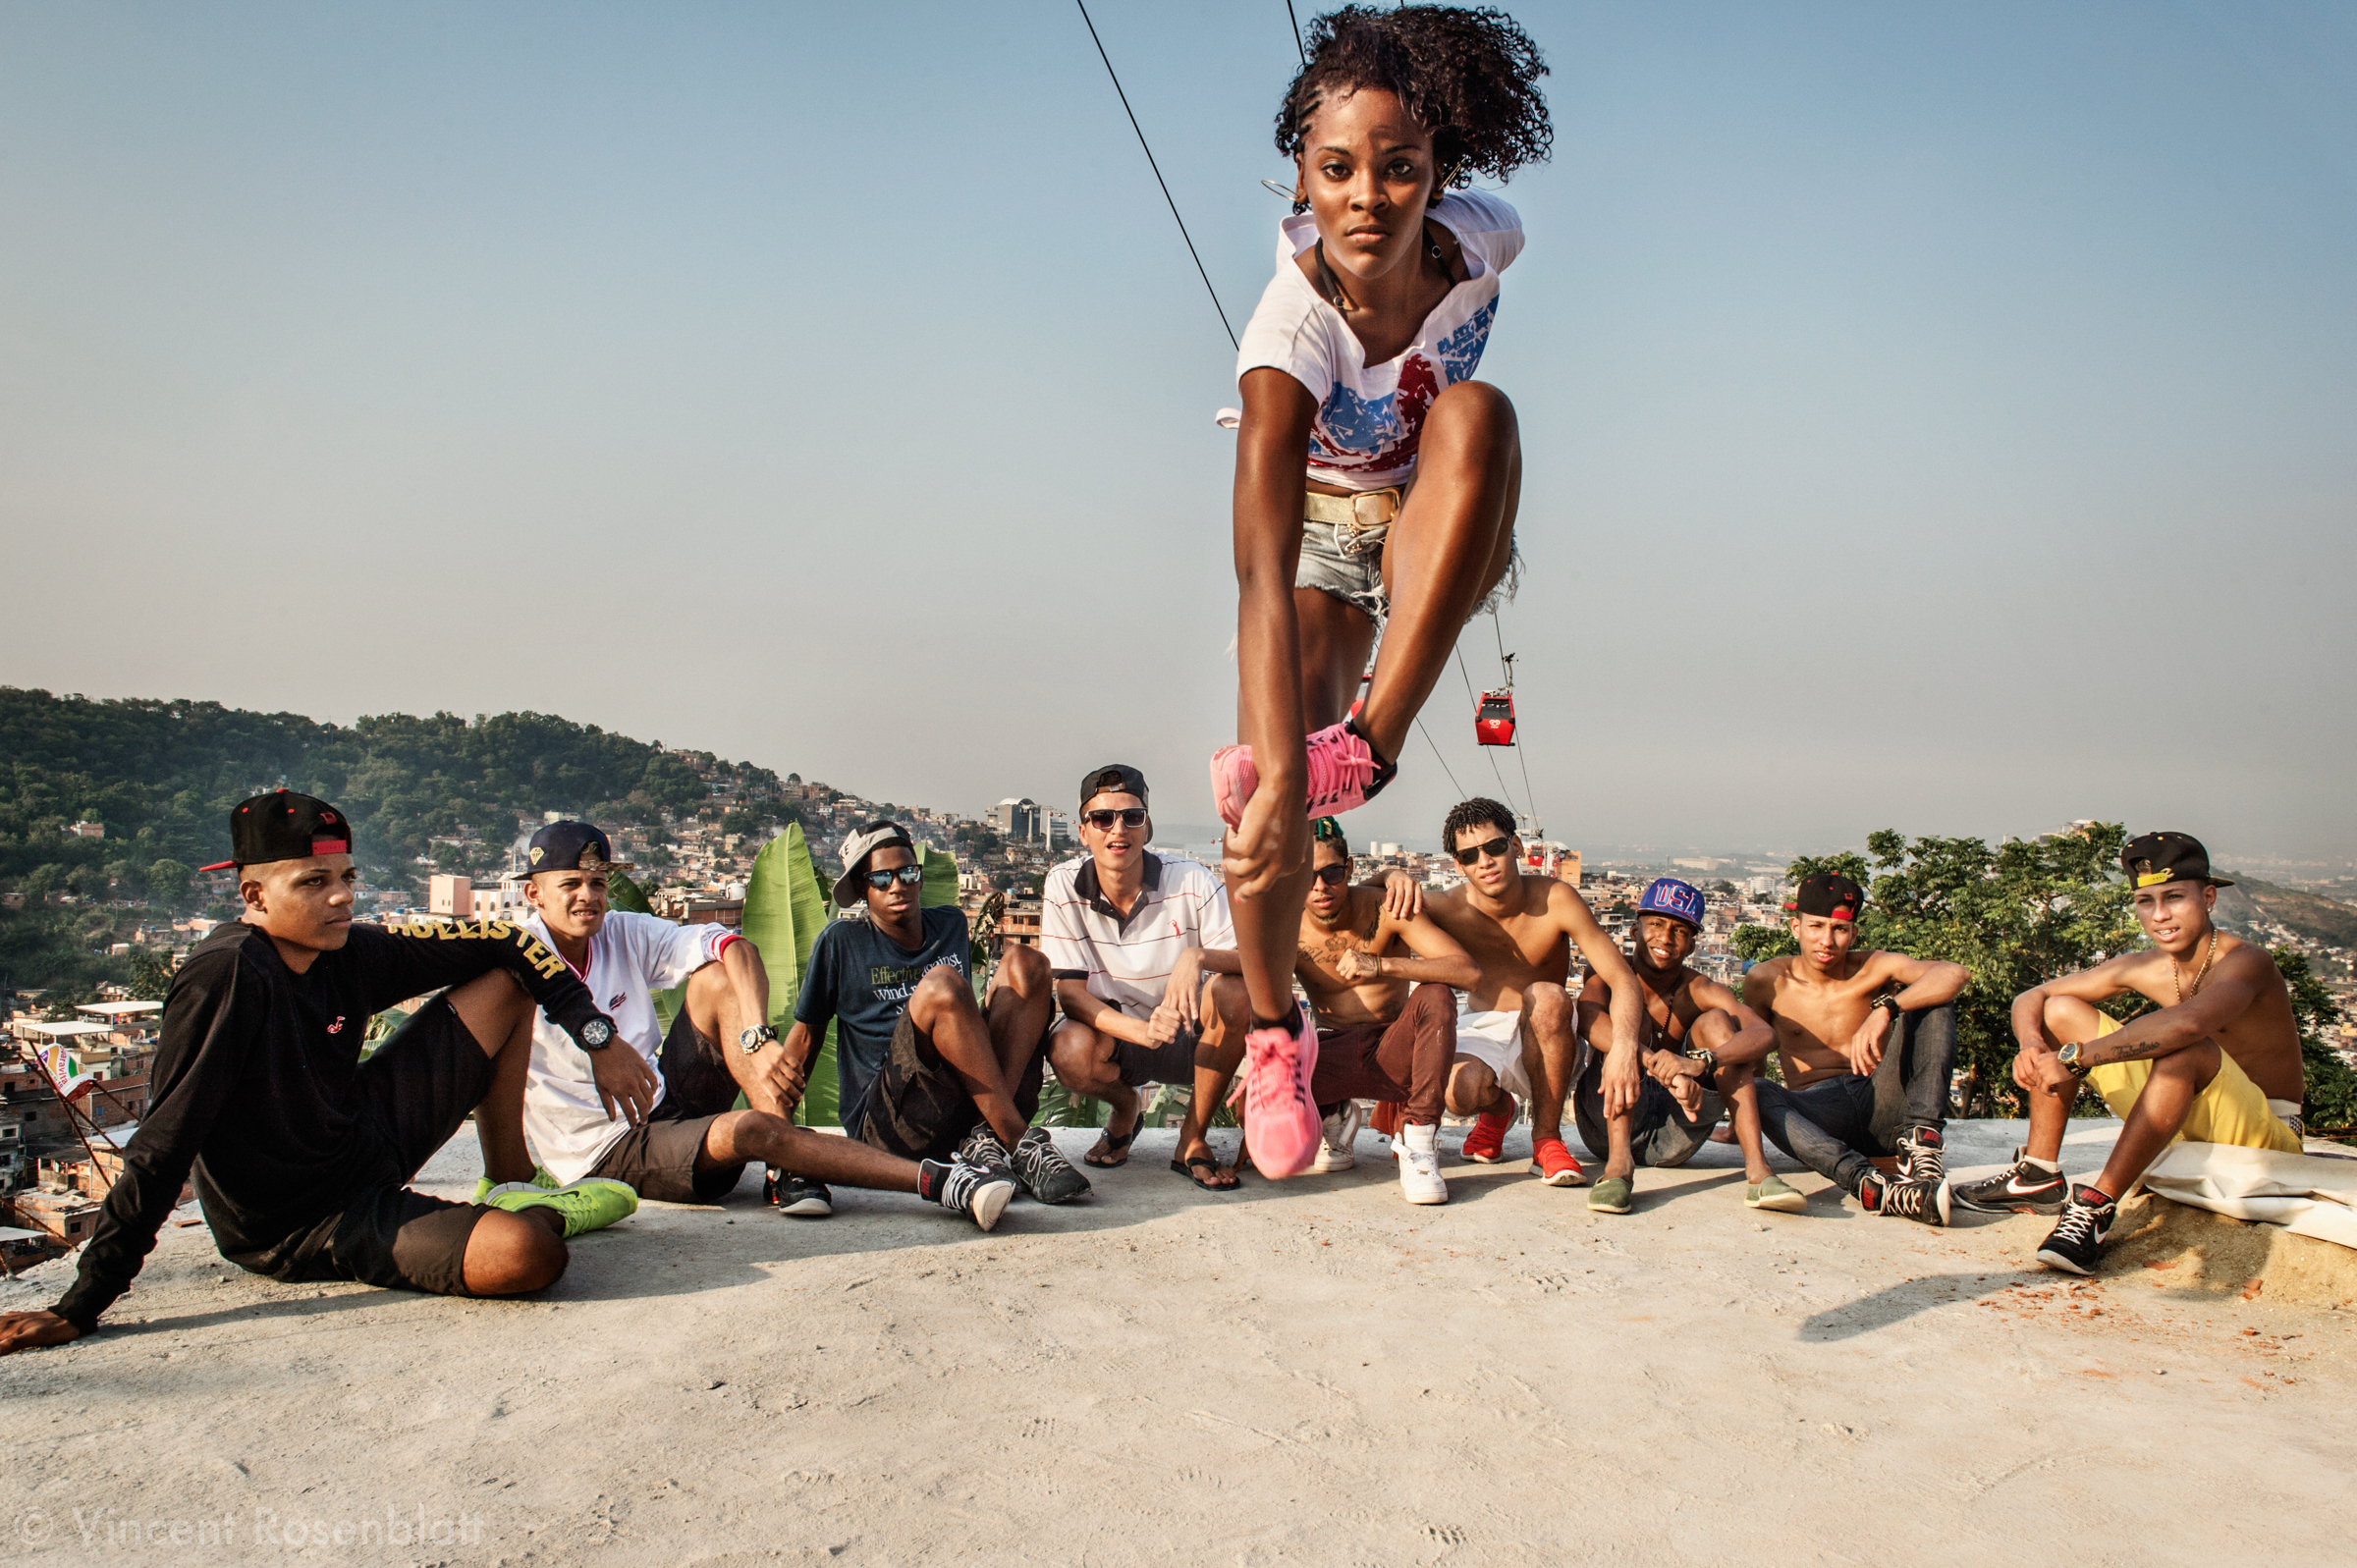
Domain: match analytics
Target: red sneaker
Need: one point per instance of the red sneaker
(1486, 1142)
(1281, 1121)
(1553, 1164)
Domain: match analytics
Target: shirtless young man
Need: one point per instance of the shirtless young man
(1379, 975)
(2220, 1061)
(1701, 1049)
(1519, 1032)
(1854, 1088)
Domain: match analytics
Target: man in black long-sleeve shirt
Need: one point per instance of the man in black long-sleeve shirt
(302, 1151)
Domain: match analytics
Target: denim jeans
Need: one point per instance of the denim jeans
(1661, 1135)
(1833, 1127)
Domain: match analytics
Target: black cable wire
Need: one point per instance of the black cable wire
(1157, 168)
(1520, 755)
(1296, 22)
(1476, 702)
(1437, 757)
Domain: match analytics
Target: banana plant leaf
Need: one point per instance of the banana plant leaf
(785, 910)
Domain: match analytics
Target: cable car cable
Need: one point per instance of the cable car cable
(1157, 168)
(1476, 701)
(1296, 22)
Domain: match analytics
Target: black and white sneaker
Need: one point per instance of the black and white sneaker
(1044, 1171)
(1921, 1201)
(1923, 1155)
(2021, 1189)
(982, 1150)
(970, 1190)
(2078, 1244)
(799, 1195)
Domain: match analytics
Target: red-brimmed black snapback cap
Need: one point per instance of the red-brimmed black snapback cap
(284, 826)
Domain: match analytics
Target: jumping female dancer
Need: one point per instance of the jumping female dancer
(1362, 355)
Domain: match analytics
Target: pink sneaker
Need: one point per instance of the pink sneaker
(1281, 1121)
(1342, 775)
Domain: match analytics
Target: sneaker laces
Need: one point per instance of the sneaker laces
(2077, 1225)
(1341, 765)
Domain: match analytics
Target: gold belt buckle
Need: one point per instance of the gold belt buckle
(1371, 515)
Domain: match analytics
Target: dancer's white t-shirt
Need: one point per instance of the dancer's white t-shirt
(1370, 416)
(631, 958)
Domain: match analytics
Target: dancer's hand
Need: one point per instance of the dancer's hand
(1272, 841)
(1357, 964)
(625, 1082)
(28, 1331)
(1402, 895)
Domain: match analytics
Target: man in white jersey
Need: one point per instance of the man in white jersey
(679, 1141)
(1125, 932)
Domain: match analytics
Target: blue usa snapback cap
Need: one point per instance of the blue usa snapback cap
(1679, 900)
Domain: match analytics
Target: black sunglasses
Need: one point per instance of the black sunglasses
(1101, 820)
(906, 876)
(1333, 876)
(1495, 847)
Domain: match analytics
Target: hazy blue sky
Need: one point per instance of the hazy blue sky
(1943, 418)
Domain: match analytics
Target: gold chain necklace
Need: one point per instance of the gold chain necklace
(2176, 976)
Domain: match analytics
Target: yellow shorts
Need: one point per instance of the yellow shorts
(2230, 1110)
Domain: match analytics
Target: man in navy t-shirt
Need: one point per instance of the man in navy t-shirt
(926, 1071)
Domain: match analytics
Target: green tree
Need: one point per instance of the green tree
(168, 883)
(150, 976)
(2332, 1086)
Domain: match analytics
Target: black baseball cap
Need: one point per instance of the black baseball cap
(2159, 857)
(1115, 778)
(1831, 893)
(571, 846)
(282, 826)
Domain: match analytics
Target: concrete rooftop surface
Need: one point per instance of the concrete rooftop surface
(1305, 1372)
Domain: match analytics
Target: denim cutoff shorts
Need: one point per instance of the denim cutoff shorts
(1356, 575)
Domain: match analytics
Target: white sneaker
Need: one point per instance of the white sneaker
(1336, 1145)
(1418, 1151)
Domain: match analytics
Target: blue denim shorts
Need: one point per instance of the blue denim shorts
(1348, 564)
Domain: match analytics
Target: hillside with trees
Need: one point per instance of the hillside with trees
(160, 777)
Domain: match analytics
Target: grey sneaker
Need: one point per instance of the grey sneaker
(1044, 1171)
(981, 1148)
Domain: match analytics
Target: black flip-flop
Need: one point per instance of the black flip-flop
(1116, 1146)
(1192, 1164)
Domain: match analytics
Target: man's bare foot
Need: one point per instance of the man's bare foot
(1724, 1132)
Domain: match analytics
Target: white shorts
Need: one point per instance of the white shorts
(1495, 1040)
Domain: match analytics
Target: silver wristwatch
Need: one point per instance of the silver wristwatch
(595, 1035)
(750, 1040)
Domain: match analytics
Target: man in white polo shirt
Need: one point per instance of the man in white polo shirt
(679, 1141)
(1125, 931)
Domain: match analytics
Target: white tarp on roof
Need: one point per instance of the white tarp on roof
(2308, 1195)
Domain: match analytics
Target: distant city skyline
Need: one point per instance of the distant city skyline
(1942, 418)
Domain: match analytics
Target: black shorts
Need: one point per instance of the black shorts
(658, 1159)
(1173, 1062)
(414, 1095)
(918, 1107)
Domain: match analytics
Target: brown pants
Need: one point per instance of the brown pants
(1407, 1060)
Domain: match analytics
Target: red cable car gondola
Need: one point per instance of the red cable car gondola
(1494, 719)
